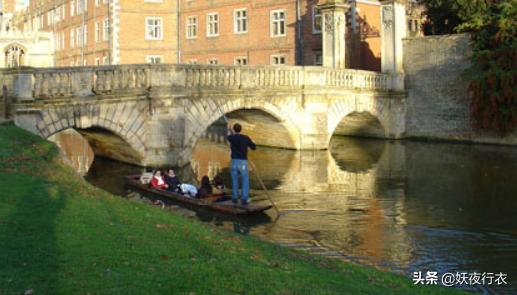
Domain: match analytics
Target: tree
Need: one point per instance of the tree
(493, 86)
(442, 16)
(492, 25)
(445, 16)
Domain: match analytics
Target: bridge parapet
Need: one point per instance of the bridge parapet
(283, 77)
(29, 84)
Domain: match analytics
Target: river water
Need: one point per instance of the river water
(402, 206)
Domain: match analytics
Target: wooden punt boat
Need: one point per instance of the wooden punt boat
(218, 203)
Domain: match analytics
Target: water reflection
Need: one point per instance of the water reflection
(403, 206)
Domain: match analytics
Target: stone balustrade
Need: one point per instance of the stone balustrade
(283, 77)
(27, 84)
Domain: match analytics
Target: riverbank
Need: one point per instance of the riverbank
(61, 235)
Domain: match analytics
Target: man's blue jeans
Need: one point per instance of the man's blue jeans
(240, 167)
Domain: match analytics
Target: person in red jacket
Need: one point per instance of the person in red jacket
(158, 182)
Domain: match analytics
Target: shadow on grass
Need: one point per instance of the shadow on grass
(29, 207)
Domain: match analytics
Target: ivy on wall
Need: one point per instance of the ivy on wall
(493, 76)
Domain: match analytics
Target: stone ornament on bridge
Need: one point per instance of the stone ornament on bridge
(334, 20)
(387, 17)
(82, 84)
(393, 30)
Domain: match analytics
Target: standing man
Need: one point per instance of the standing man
(239, 144)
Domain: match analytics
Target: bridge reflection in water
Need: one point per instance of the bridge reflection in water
(403, 206)
(324, 193)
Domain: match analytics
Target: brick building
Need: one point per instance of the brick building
(98, 32)
(257, 32)
(11, 6)
(272, 32)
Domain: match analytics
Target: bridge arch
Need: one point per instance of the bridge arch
(98, 125)
(201, 115)
(345, 117)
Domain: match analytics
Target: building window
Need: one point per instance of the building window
(153, 29)
(278, 60)
(97, 31)
(316, 20)
(318, 58)
(81, 6)
(413, 25)
(240, 61)
(154, 59)
(192, 62)
(277, 23)
(15, 56)
(72, 38)
(79, 35)
(212, 24)
(50, 18)
(72, 8)
(105, 33)
(240, 21)
(105, 60)
(97, 61)
(57, 14)
(82, 36)
(191, 27)
(213, 61)
(58, 42)
(85, 35)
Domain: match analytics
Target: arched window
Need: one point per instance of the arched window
(14, 56)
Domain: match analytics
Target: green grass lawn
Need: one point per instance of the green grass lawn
(60, 235)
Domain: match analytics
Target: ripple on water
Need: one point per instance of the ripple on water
(402, 206)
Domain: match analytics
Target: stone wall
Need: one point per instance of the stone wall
(437, 101)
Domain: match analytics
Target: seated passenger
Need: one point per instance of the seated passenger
(157, 182)
(172, 181)
(218, 185)
(146, 177)
(188, 190)
(205, 190)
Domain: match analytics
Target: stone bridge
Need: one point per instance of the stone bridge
(153, 115)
